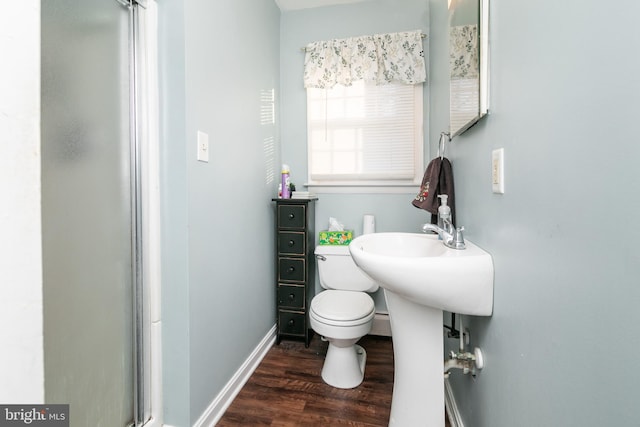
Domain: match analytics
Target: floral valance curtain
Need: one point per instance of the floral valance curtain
(381, 58)
(463, 48)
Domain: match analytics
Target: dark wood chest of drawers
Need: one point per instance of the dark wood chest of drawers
(295, 267)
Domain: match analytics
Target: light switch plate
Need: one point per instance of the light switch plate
(497, 170)
(203, 147)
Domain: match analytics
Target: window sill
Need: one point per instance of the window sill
(363, 188)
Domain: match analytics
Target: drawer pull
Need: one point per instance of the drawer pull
(291, 322)
(291, 243)
(291, 216)
(292, 297)
(291, 270)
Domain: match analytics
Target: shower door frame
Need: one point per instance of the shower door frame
(145, 209)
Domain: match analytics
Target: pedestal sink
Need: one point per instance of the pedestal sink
(421, 277)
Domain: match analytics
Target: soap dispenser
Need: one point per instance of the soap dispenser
(444, 213)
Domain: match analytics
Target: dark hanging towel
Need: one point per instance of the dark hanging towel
(438, 179)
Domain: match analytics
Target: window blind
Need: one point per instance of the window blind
(365, 132)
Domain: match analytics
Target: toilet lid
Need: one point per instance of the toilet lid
(342, 306)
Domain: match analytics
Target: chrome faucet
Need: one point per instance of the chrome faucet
(451, 236)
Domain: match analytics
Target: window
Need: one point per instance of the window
(365, 135)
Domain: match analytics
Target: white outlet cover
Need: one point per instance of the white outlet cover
(203, 147)
(497, 170)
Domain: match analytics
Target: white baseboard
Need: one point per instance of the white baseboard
(455, 419)
(219, 405)
(381, 325)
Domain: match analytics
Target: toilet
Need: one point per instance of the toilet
(342, 314)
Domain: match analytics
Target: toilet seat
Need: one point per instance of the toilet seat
(342, 308)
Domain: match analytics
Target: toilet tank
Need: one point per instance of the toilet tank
(338, 271)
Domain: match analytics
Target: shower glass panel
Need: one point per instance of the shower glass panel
(87, 211)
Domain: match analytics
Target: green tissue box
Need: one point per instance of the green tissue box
(335, 237)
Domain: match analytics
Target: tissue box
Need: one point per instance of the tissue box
(335, 237)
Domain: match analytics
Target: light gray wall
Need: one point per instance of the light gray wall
(218, 242)
(394, 212)
(173, 176)
(562, 342)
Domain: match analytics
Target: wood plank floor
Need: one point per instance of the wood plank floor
(287, 389)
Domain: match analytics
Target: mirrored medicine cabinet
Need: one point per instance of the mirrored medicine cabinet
(468, 63)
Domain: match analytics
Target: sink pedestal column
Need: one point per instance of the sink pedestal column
(418, 348)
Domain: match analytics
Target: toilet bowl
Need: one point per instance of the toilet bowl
(342, 314)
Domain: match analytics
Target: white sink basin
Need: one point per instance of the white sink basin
(422, 277)
(419, 267)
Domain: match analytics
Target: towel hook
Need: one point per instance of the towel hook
(442, 143)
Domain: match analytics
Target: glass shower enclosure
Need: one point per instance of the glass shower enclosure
(90, 212)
